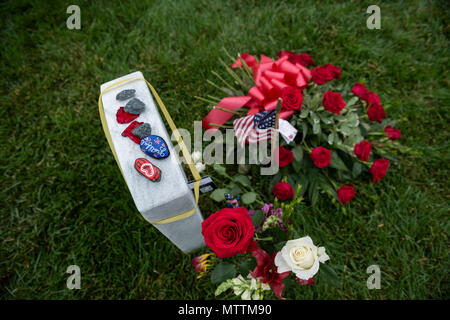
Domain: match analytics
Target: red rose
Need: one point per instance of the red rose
(378, 169)
(360, 90)
(283, 191)
(283, 53)
(266, 271)
(393, 134)
(332, 101)
(303, 58)
(335, 71)
(229, 231)
(321, 157)
(321, 75)
(362, 150)
(372, 98)
(376, 113)
(285, 156)
(292, 98)
(346, 194)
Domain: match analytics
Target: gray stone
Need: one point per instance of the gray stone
(125, 94)
(144, 130)
(135, 106)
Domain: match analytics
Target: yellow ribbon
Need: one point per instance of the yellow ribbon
(175, 132)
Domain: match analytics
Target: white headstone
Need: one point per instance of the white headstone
(154, 200)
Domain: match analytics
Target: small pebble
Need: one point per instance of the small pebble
(143, 130)
(125, 94)
(135, 106)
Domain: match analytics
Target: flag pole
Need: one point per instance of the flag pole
(275, 136)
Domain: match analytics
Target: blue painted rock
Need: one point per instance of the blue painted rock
(155, 147)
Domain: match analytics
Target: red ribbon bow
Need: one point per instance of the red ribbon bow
(270, 78)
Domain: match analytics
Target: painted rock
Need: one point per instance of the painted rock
(125, 94)
(143, 130)
(155, 147)
(134, 106)
(148, 170)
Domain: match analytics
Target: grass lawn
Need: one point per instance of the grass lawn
(63, 200)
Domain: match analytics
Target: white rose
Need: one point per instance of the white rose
(196, 156)
(200, 167)
(302, 257)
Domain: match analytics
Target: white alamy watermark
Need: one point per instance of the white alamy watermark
(74, 280)
(374, 20)
(374, 281)
(74, 20)
(223, 148)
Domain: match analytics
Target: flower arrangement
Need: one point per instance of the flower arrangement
(343, 134)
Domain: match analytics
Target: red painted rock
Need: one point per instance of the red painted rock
(148, 170)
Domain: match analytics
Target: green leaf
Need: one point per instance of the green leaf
(257, 217)
(278, 246)
(249, 197)
(234, 189)
(243, 180)
(336, 162)
(297, 165)
(224, 286)
(352, 101)
(315, 118)
(220, 169)
(356, 170)
(346, 130)
(316, 128)
(313, 191)
(331, 138)
(218, 194)
(222, 272)
(298, 153)
(304, 113)
(328, 275)
(246, 266)
(304, 130)
(316, 100)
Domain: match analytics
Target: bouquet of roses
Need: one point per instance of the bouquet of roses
(343, 132)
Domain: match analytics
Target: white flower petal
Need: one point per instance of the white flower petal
(200, 167)
(322, 255)
(307, 274)
(196, 156)
(246, 295)
(281, 263)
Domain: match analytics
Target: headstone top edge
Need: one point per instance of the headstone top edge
(136, 74)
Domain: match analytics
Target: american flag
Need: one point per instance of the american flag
(255, 128)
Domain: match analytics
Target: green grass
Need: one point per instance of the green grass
(63, 200)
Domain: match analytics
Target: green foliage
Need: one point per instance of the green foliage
(249, 197)
(257, 217)
(222, 272)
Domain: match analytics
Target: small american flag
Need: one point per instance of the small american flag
(255, 128)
